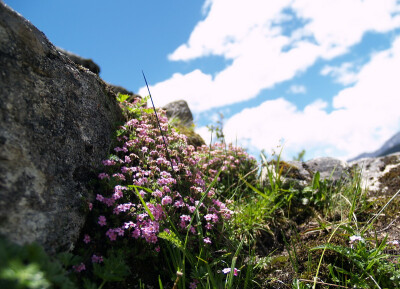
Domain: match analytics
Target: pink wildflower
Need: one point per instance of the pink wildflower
(100, 198)
(118, 149)
(86, 239)
(166, 200)
(228, 270)
(103, 176)
(111, 234)
(207, 240)
(157, 193)
(119, 231)
(79, 268)
(129, 224)
(108, 162)
(136, 233)
(119, 176)
(97, 259)
(102, 221)
(122, 208)
(193, 285)
(179, 204)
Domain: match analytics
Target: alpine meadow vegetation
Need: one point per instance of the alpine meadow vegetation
(166, 214)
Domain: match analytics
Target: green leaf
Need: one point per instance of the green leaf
(254, 189)
(172, 238)
(122, 97)
(113, 268)
(68, 259)
(315, 181)
(143, 202)
(87, 284)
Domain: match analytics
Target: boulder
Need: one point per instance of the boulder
(380, 175)
(56, 124)
(179, 109)
(329, 168)
(178, 112)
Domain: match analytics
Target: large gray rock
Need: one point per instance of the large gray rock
(56, 124)
(302, 173)
(380, 175)
(329, 168)
(179, 109)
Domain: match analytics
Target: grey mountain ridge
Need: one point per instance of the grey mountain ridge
(390, 146)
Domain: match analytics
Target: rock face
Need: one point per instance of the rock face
(95, 68)
(56, 124)
(378, 175)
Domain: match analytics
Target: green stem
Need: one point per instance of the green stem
(102, 284)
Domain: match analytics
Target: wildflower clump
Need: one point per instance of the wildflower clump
(157, 191)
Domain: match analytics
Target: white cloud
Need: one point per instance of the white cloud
(336, 25)
(297, 89)
(343, 74)
(364, 115)
(250, 34)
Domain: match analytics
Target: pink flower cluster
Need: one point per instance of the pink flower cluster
(79, 268)
(97, 259)
(140, 165)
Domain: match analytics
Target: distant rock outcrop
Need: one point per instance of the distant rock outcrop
(380, 174)
(180, 111)
(389, 147)
(56, 124)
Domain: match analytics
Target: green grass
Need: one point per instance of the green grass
(284, 238)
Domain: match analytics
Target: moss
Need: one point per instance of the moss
(288, 170)
(391, 180)
(390, 160)
(193, 138)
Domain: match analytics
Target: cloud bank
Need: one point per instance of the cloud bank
(269, 42)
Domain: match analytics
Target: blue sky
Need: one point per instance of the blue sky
(319, 75)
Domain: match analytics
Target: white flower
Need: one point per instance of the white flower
(355, 238)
